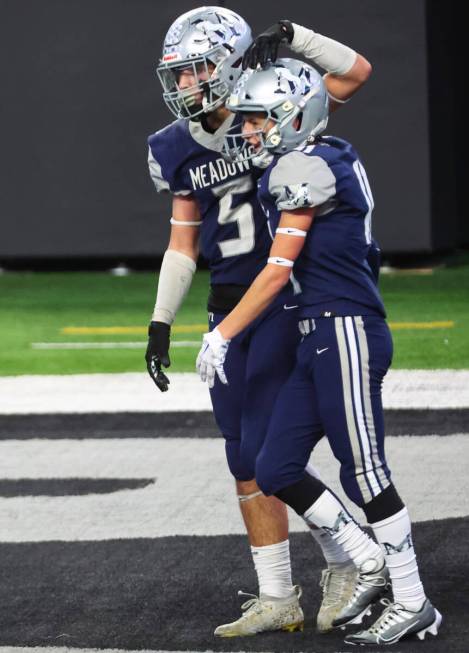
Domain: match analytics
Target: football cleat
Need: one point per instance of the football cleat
(265, 613)
(398, 622)
(338, 583)
(371, 583)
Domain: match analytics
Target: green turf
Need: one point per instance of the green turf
(34, 308)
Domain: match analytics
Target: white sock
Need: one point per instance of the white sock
(331, 516)
(333, 553)
(273, 569)
(394, 535)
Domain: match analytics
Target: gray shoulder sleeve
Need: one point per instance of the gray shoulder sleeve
(160, 182)
(299, 181)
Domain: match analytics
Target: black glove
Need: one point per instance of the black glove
(157, 353)
(264, 48)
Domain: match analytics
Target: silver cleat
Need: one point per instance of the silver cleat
(398, 622)
(371, 583)
(265, 613)
(338, 583)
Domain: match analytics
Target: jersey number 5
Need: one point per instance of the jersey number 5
(242, 214)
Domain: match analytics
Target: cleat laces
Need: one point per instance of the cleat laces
(391, 617)
(251, 605)
(332, 587)
(365, 583)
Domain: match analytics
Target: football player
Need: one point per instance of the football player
(316, 195)
(214, 206)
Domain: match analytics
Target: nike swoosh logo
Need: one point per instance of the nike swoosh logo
(288, 308)
(320, 351)
(389, 640)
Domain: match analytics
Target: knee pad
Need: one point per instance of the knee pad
(386, 504)
(301, 495)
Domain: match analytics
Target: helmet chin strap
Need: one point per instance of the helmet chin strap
(273, 136)
(263, 159)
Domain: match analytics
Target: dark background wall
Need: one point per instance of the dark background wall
(79, 97)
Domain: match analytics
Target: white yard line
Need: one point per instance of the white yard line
(109, 345)
(66, 649)
(196, 468)
(135, 392)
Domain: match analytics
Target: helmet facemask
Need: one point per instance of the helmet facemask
(289, 93)
(236, 146)
(208, 43)
(207, 94)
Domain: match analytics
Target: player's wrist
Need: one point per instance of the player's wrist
(158, 326)
(286, 27)
(216, 338)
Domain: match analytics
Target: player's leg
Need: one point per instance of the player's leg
(365, 350)
(265, 518)
(227, 400)
(272, 353)
(280, 470)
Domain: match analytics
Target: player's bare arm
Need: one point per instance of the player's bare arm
(286, 248)
(288, 242)
(342, 87)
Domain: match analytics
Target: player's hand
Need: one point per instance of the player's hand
(211, 358)
(264, 48)
(157, 353)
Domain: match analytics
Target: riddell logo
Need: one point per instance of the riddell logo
(173, 56)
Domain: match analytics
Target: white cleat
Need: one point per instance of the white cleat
(338, 584)
(397, 623)
(264, 613)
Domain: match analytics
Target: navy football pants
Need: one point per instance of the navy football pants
(258, 363)
(335, 388)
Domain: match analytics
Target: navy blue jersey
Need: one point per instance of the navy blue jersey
(332, 269)
(185, 159)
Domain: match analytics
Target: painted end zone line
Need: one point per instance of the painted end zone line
(108, 345)
(201, 328)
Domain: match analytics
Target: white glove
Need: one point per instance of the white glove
(211, 357)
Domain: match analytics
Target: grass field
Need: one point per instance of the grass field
(37, 310)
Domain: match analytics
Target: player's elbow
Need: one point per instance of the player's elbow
(363, 69)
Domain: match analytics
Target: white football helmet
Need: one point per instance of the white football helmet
(284, 90)
(210, 43)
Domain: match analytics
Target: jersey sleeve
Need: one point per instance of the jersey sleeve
(299, 180)
(156, 173)
(164, 177)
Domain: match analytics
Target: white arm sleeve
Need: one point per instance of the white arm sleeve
(330, 55)
(175, 279)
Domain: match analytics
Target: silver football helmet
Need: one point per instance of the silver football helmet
(208, 43)
(285, 91)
